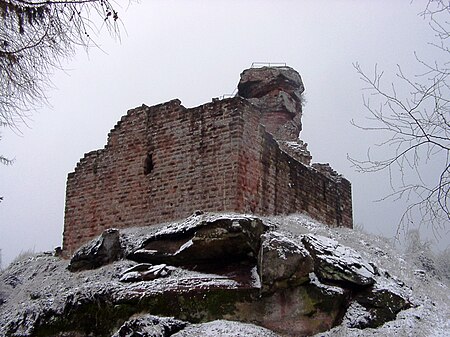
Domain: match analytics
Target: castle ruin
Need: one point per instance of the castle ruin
(240, 154)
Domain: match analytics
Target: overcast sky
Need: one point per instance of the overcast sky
(194, 51)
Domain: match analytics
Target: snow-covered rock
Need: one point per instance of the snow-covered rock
(282, 274)
(335, 262)
(283, 262)
(226, 329)
(145, 272)
(203, 241)
(98, 252)
(150, 326)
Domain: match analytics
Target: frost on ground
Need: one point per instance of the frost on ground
(225, 328)
(41, 287)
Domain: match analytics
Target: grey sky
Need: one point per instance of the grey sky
(195, 50)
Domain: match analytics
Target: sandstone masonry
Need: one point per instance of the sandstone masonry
(240, 154)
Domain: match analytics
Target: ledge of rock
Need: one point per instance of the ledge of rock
(205, 241)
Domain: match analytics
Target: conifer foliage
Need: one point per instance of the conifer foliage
(35, 36)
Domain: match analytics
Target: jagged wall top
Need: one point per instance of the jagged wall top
(240, 154)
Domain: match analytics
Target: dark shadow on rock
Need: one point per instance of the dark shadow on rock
(221, 241)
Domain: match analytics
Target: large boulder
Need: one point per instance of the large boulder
(282, 262)
(382, 301)
(259, 82)
(334, 262)
(222, 239)
(98, 252)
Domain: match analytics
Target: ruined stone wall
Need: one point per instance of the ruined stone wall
(271, 182)
(241, 154)
(160, 163)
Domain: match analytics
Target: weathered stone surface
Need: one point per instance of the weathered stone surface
(337, 263)
(381, 303)
(103, 250)
(297, 311)
(223, 239)
(282, 262)
(277, 102)
(150, 326)
(277, 93)
(258, 82)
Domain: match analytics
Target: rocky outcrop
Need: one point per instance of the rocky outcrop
(208, 268)
(282, 263)
(336, 263)
(261, 82)
(203, 242)
(277, 93)
(103, 250)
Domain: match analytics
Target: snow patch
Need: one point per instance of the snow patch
(328, 289)
(184, 246)
(225, 328)
(256, 281)
(356, 315)
(334, 253)
(283, 244)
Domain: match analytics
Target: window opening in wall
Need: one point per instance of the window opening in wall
(148, 165)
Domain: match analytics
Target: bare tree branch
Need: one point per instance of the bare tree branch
(35, 36)
(416, 129)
